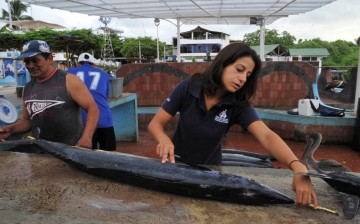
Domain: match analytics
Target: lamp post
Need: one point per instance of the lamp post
(157, 22)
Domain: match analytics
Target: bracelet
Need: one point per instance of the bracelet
(292, 161)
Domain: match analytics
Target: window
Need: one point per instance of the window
(199, 48)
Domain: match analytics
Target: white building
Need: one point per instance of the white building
(199, 44)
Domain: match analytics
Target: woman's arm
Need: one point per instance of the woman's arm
(165, 147)
(282, 152)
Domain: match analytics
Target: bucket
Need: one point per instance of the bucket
(116, 87)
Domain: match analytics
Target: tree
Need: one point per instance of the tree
(117, 44)
(87, 41)
(271, 37)
(147, 46)
(17, 9)
(342, 53)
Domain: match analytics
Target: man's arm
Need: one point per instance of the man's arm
(82, 96)
(21, 126)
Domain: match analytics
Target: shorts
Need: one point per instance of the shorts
(104, 139)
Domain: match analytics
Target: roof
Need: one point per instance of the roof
(198, 29)
(271, 49)
(309, 52)
(36, 24)
(188, 11)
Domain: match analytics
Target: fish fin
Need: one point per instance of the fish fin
(350, 204)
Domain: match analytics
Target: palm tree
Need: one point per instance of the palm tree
(17, 10)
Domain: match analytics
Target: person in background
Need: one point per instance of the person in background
(97, 82)
(52, 101)
(209, 104)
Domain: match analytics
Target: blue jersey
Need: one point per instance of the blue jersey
(97, 82)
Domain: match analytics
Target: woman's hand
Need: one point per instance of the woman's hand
(165, 150)
(302, 186)
(165, 147)
(305, 193)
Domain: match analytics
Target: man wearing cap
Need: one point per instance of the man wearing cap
(97, 82)
(52, 101)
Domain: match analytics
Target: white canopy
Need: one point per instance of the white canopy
(188, 11)
(234, 12)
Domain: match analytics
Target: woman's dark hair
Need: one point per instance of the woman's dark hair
(211, 77)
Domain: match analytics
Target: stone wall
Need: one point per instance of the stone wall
(280, 86)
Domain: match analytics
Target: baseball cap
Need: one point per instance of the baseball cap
(87, 58)
(34, 47)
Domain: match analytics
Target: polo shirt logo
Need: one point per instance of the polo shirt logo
(222, 117)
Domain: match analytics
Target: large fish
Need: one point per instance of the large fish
(336, 175)
(175, 178)
(247, 153)
(13, 144)
(237, 157)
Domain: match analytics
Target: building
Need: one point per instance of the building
(200, 44)
(312, 55)
(273, 52)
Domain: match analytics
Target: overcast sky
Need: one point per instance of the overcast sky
(337, 20)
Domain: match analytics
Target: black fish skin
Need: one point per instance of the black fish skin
(175, 178)
(8, 145)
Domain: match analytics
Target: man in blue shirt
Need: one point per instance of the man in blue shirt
(97, 82)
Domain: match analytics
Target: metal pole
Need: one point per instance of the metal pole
(262, 39)
(139, 51)
(357, 89)
(157, 22)
(157, 43)
(10, 15)
(178, 41)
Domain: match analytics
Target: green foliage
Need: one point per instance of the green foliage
(271, 37)
(74, 41)
(148, 47)
(117, 45)
(9, 41)
(342, 53)
(17, 10)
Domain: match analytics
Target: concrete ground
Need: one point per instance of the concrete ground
(37, 188)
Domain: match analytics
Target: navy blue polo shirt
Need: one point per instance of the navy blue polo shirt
(199, 134)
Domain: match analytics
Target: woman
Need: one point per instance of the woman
(209, 104)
